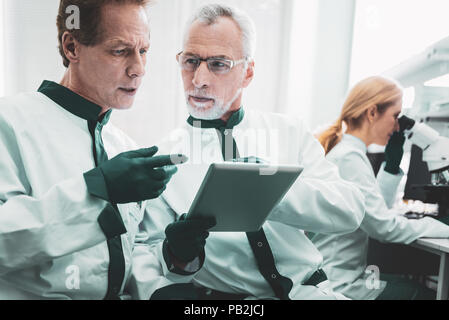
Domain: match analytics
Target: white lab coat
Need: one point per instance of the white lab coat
(320, 201)
(345, 256)
(51, 245)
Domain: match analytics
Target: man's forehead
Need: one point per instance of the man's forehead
(123, 41)
(222, 38)
(124, 23)
(209, 52)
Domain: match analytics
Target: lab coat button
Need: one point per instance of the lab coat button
(226, 132)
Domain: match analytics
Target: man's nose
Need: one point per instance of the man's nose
(136, 66)
(202, 76)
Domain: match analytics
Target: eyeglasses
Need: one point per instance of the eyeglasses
(217, 66)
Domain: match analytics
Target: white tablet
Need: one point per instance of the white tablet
(242, 195)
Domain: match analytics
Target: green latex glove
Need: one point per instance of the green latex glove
(394, 152)
(186, 238)
(133, 176)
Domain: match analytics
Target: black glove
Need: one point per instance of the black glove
(133, 176)
(394, 152)
(186, 238)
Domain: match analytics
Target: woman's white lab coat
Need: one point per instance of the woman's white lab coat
(345, 256)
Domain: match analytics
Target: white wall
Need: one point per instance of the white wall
(332, 60)
(389, 32)
(321, 42)
(2, 60)
(30, 44)
(299, 63)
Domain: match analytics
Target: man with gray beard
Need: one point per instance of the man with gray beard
(279, 261)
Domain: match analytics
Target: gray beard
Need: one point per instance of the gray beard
(216, 112)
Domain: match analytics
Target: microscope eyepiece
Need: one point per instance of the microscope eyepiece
(405, 123)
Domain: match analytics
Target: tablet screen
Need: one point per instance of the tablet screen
(242, 195)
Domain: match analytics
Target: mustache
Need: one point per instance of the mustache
(200, 93)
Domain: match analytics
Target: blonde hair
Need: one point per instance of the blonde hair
(374, 91)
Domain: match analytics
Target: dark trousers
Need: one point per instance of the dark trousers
(402, 259)
(187, 291)
(400, 288)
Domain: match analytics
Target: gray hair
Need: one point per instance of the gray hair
(209, 15)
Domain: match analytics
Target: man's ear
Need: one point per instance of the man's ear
(249, 75)
(71, 47)
(372, 113)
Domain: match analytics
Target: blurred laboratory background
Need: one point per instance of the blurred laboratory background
(309, 53)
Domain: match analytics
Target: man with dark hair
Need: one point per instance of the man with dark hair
(71, 193)
(91, 32)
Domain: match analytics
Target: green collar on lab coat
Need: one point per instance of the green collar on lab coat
(110, 220)
(236, 119)
(74, 103)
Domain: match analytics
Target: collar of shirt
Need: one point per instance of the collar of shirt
(109, 220)
(74, 103)
(235, 120)
(355, 142)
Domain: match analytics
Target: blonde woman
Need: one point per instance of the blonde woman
(370, 115)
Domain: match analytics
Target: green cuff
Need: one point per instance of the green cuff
(96, 184)
(110, 219)
(172, 265)
(111, 222)
(392, 169)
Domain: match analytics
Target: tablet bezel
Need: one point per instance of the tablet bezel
(293, 172)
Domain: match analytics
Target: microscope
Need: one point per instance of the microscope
(436, 154)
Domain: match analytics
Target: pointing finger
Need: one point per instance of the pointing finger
(168, 160)
(143, 153)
